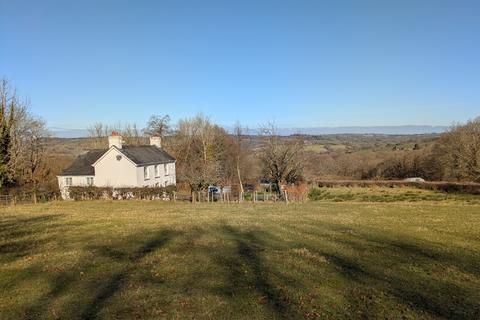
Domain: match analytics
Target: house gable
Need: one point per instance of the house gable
(117, 151)
(113, 169)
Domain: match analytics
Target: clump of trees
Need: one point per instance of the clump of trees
(458, 152)
(205, 153)
(455, 156)
(23, 156)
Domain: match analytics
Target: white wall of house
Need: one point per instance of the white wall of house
(161, 178)
(81, 181)
(113, 172)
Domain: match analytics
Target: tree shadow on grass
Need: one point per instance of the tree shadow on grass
(98, 292)
(247, 273)
(21, 237)
(115, 282)
(411, 272)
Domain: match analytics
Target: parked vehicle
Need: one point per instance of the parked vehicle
(414, 179)
(214, 189)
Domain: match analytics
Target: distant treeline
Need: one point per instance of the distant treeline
(453, 156)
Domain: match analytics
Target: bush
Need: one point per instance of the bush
(316, 194)
(96, 193)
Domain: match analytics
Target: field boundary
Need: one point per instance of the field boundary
(449, 187)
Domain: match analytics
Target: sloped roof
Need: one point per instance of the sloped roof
(140, 155)
(82, 165)
(143, 155)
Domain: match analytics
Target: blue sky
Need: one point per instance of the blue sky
(298, 63)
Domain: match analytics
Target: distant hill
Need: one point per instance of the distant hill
(401, 130)
(68, 133)
(398, 130)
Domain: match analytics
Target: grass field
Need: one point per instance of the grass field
(321, 259)
(382, 194)
(318, 148)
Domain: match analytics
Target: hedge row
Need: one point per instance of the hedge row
(449, 187)
(95, 193)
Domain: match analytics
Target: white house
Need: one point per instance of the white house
(121, 166)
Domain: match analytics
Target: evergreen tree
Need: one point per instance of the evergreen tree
(4, 141)
(6, 123)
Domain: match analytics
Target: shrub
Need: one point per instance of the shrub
(95, 193)
(317, 194)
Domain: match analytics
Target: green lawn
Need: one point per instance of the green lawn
(326, 260)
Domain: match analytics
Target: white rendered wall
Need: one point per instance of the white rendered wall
(80, 181)
(110, 172)
(161, 180)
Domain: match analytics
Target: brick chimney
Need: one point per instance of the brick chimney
(156, 141)
(115, 140)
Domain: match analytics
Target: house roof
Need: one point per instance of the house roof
(82, 165)
(140, 155)
(143, 155)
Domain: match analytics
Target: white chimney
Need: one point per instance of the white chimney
(115, 140)
(156, 141)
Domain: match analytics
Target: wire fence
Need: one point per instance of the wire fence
(222, 195)
(6, 200)
(28, 198)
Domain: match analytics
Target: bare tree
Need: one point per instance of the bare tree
(35, 165)
(99, 131)
(239, 156)
(26, 141)
(158, 126)
(131, 134)
(17, 124)
(280, 158)
(96, 132)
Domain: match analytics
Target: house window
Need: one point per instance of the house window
(89, 181)
(68, 181)
(146, 173)
(165, 168)
(157, 171)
